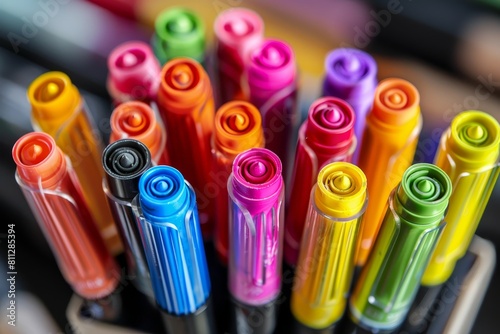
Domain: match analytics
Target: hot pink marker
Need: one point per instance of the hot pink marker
(134, 73)
(256, 214)
(238, 31)
(272, 84)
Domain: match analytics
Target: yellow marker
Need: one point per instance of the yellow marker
(468, 153)
(58, 110)
(326, 260)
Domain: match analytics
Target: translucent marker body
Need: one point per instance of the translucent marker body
(272, 82)
(387, 149)
(468, 153)
(410, 229)
(326, 136)
(53, 192)
(138, 121)
(326, 263)
(179, 32)
(134, 73)
(238, 127)
(238, 32)
(351, 75)
(172, 240)
(59, 110)
(186, 105)
(256, 217)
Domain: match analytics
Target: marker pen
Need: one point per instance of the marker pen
(58, 109)
(134, 73)
(326, 136)
(238, 127)
(124, 162)
(238, 31)
(256, 191)
(387, 149)
(136, 120)
(179, 32)
(53, 193)
(351, 75)
(411, 227)
(172, 240)
(326, 263)
(272, 82)
(468, 153)
(186, 105)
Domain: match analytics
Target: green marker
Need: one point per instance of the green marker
(179, 32)
(410, 230)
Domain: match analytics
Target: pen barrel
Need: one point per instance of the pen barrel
(351, 75)
(256, 218)
(199, 322)
(254, 319)
(238, 31)
(57, 202)
(326, 136)
(179, 32)
(124, 162)
(468, 153)
(186, 105)
(387, 149)
(272, 81)
(138, 120)
(171, 236)
(326, 262)
(410, 230)
(59, 110)
(134, 73)
(238, 127)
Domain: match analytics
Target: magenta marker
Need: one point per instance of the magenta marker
(351, 75)
(272, 81)
(134, 73)
(238, 31)
(256, 191)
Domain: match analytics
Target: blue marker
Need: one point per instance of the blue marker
(171, 235)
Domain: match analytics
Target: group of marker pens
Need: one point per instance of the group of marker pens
(180, 174)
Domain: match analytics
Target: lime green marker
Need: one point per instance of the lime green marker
(179, 32)
(410, 230)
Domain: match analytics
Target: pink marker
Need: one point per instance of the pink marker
(134, 73)
(273, 90)
(238, 32)
(326, 136)
(256, 214)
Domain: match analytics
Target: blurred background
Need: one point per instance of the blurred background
(449, 49)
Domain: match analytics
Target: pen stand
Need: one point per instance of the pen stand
(139, 316)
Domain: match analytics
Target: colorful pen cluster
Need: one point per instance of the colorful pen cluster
(188, 162)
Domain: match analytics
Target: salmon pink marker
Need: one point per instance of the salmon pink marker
(134, 73)
(256, 191)
(326, 136)
(272, 81)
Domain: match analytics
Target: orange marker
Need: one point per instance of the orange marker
(387, 149)
(238, 127)
(58, 110)
(186, 104)
(136, 120)
(54, 195)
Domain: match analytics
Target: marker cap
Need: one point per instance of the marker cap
(134, 72)
(238, 127)
(138, 121)
(168, 216)
(179, 32)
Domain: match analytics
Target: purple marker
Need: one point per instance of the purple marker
(256, 215)
(272, 83)
(351, 75)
